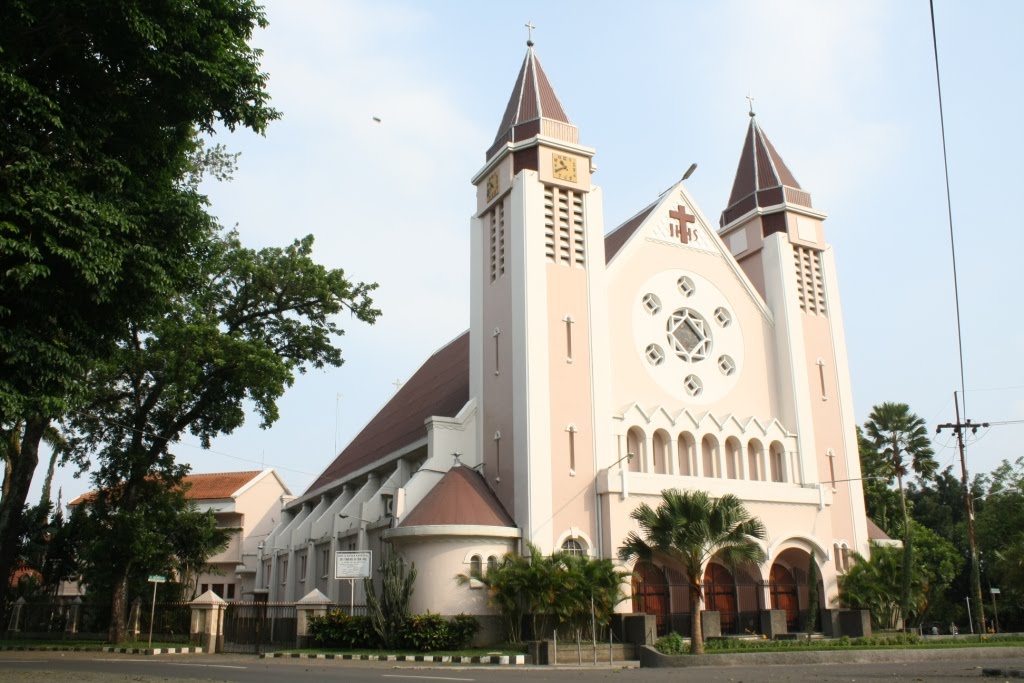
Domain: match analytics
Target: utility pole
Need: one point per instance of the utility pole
(959, 428)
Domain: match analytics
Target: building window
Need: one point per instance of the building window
(231, 591)
(655, 354)
(324, 562)
(651, 303)
(568, 338)
(284, 572)
(302, 567)
(572, 449)
(689, 335)
(821, 378)
(573, 547)
(497, 334)
(492, 563)
(686, 286)
(474, 566)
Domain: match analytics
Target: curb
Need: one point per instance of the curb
(1003, 673)
(499, 660)
(116, 650)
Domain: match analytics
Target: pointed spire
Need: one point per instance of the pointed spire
(532, 107)
(762, 177)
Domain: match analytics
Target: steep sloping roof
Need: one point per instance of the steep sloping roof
(532, 99)
(875, 532)
(216, 485)
(440, 387)
(762, 177)
(615, 240)
(461, 497)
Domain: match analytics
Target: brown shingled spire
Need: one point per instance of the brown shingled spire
(762, 178)
(532, 108)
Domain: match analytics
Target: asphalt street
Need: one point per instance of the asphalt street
(37, 667)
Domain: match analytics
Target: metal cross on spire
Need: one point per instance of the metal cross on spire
(750, 99)
(529, 33)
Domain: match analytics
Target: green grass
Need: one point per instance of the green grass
(885, 642)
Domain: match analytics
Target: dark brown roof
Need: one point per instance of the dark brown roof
(461, 497)
(762, 178)
(532, 99)
(618, 237)
(439, 387)
(875, 532)
(200, 486)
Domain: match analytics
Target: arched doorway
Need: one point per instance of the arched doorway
(782, 587)
(720, 595)
(650, 592)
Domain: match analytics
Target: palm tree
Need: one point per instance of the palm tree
(899, 435)
(689, 528)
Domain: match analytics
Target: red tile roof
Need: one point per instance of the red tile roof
(217, 485)
(440, 387)
(618, 237)
(461, 497)
(875, 532)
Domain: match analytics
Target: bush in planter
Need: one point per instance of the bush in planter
(338, 629)
(427, 632)
(672, 644)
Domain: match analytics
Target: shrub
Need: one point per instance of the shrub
(672, 644)
(338, 629)
(461, 630)
(425, 632)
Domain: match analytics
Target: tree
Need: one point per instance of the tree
(881, 501)
(898, 434)
(507, 583)
(389, 610)
(101, 105)
(689, 528)
(246, 323)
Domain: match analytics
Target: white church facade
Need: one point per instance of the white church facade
(598, 370)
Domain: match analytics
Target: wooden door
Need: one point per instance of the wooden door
(783, 594)
(720, 595)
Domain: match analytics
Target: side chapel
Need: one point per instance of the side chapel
(598, 370)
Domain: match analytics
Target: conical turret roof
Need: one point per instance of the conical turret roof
(762, 178)
(532, 102)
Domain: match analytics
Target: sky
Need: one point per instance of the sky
(845, 90)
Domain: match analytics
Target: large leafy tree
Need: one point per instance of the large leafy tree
(901, 438)
(881, 501)
(100, 102)
(235, 336)
(688, 528)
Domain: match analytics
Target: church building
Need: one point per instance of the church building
(599, 370)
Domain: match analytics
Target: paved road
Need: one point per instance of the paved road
(49, 667)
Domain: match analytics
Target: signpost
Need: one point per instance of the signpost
(154, 579)
(352, 565)
(994, 592)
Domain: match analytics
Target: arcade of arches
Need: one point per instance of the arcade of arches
(738, 594)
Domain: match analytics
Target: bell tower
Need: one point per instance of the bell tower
(537, 249)
(778, 237)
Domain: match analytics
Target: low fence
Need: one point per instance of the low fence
(75, 619)
(258, 627)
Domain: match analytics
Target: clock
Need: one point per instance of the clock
(563, 167)
(492, 186)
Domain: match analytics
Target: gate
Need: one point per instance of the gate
(258, 627)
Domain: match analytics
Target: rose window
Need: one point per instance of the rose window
(688, 335)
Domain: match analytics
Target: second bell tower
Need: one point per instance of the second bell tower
(534, 353)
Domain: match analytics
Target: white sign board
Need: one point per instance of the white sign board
(157, 578)
(352, 564)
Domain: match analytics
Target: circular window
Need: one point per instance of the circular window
(727, 365)
(651, 303)
(693, 385)
(686, 286)
(655, 354)
(688, 335)
(723, 317)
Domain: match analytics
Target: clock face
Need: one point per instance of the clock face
(563, 167)
(688, 336)
(492, 186)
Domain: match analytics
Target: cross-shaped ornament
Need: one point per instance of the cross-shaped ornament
(529, 32)
(685, 234)
(750, 100)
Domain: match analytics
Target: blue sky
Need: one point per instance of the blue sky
(845, 90)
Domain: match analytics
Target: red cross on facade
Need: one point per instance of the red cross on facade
(685, 234)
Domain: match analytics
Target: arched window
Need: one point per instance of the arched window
(838, 557)
(573, 547)
(635, 445)
(709, 456)
(755, 470)
(660, 452)
(492, 563)
(777, 458)
(687, 449)
(733, 466)
(474, 565)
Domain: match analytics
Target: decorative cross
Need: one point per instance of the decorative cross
(751, 101)
(529, 32)
(685, 234)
